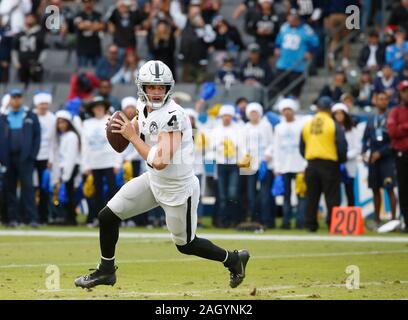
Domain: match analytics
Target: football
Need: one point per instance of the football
(116, 140)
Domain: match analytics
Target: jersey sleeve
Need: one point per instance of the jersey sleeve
(174, 121)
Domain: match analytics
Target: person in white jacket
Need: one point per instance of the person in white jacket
(225, 143)
(98, 157)
(46, 155)
(68, 143)
(258, 135)
(13, 13)
(288, 162)
(354, 142)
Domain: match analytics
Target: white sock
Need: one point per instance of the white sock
(108, 259)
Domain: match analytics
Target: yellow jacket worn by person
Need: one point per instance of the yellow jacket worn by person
(323, 139)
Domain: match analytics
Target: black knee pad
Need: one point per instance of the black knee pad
(189, 248)
(106, 215)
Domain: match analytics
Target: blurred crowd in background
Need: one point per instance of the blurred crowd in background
(247, 155)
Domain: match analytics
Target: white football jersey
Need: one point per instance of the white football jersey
(174, 184)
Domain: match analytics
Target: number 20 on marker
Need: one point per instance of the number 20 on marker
(347, 221)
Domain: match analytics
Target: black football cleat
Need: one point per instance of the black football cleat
(237, 271)
(96, 278)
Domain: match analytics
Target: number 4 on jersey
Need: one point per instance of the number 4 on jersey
(173, 122)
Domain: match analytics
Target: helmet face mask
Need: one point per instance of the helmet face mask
(154, 73)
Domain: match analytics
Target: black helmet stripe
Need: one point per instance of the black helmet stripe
(156, 70)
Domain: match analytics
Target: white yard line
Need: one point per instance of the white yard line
(213, 236)
(181, 260)
(71, 242)
(198, 293)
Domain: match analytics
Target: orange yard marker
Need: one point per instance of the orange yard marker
(347, 221)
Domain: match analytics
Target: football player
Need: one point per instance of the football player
(162, 135)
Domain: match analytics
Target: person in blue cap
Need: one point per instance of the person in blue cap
(19, 145)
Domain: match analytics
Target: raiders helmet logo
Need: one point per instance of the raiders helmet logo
(153, 128)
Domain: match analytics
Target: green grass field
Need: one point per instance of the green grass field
(152, 268)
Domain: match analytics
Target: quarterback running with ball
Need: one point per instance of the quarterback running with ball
(162, 135)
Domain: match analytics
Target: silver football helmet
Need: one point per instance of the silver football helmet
(154, 72)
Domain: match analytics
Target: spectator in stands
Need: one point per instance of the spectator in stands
(123, 22)
(324, 146)
(28, 51)
(195, 41)
(372, 14)
(19, 145)
(399, 15)
(387, 82)
(295, 44)
(225, 142)
(60, 34)
(257, 135)
(309, 10)
(241, 105)
(13, 12)
(389, 35)
(227, 75)
(372, 55)
(6, 42)
(68, 160)
(108, 66)
(89, 24)
(336, 88)
(348, 99)
(397, 124)
(255, 71)
(129, 71)
(264, 25)
(105, 91)
(210, 9)
(403, 74)
(162, 44)
(380, 160)
(394, 54)
(98, 157)
(336, 25)
(46, 154)
(228, 39)
(156, 11)
(83, 85)
(342, 117)
(248, 7)
(312, 13)
(365, 89)
(178, 9)
(287, 160)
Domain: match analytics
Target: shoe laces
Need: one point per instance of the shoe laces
(95, 273)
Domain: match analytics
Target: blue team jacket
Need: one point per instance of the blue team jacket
(31, 134)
